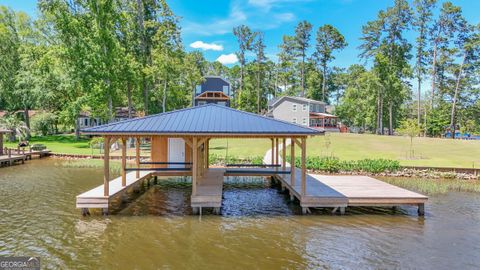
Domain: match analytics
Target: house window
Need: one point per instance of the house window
(85, 122)
(198, 89)
(304, 121)
(304, 107)
(294, 108)
(203, 102)
(294, 120)
(225, 89)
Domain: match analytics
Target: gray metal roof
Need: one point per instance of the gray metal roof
(207, 119)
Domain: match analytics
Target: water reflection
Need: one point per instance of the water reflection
(258, 228)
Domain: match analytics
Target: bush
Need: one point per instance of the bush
(44, 123)
(334, 164)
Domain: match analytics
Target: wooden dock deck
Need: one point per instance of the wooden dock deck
(209, 190)
(10, 160)
(341, 191)
(95, 198)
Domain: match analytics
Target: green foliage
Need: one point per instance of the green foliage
(334, 164)
(44, 123)
(19, 128)
(215, 159)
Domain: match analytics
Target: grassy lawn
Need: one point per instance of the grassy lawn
(240, 147)
(65, 144)
(428, 151)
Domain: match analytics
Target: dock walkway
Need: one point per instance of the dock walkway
(341, 191)
(209, 190)
(95, 198)
(11, 159)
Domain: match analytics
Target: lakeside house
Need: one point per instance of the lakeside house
(86, 119)
(303, 111)
(213, 90)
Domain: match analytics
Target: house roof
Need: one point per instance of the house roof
(209, 119)
(275, 101)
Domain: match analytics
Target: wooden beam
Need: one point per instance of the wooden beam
(298, 142)
(188, 141)
(106, 165)
(201, 141)
(284, 154)
(124, 161)
(273, 153)
(276, 150)
(207, 158)
(137, 155)
(194, 166)
(292, 163)
(304, 166)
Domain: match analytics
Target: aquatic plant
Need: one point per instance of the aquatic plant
(434, 186)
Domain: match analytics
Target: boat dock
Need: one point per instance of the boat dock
(8, 160)
(180, 147)
(322, 191)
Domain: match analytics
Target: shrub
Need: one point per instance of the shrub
(334, 164)
(44, 123)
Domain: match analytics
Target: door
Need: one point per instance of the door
(176, 152)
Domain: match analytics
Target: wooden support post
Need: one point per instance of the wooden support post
(124, 161)
(106, 165)
(421, 209)
(194, 166)
(273, 153)
(276, 151)
(207, 157)
(304, 167)
(137, 156)
(292, 163)
(284, 154)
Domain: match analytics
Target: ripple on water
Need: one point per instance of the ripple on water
(258, 228)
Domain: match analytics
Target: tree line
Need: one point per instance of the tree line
(87, 55)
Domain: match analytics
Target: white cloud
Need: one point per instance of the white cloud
(228, 59)
(206, 46)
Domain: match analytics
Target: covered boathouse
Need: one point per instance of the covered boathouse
(180, 147)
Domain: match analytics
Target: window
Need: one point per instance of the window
(225, 90)
(201, 102)
(198, 89)
(294, 108)
(85, 122)
(304, 107)
(304, 121)
(294, 120)
(222, 103)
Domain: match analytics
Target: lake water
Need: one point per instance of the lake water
(258, 228)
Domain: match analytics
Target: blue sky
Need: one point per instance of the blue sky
(208, 23)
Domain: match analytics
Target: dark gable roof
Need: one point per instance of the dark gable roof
(206, 119)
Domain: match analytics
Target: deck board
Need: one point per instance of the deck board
(209, 189)
(94, 198)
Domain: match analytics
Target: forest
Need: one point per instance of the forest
(96, 55)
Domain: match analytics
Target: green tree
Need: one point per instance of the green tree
(302, 43)
(245, 38)
(410, 128)
(329, 39)
(422, 21)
